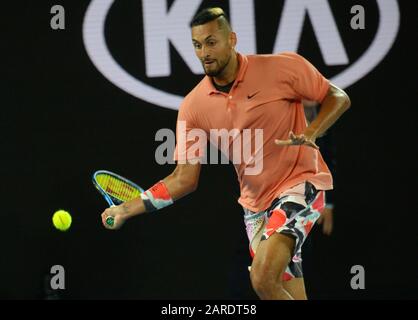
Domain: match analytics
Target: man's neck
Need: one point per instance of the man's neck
(230, 72)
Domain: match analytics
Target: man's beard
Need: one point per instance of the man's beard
(216, 73)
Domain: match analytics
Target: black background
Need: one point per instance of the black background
(61, 120)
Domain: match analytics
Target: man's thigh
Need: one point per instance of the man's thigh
(273, 255)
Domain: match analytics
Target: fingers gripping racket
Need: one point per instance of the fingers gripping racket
(115, 189)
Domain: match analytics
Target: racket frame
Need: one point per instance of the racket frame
(112, 201)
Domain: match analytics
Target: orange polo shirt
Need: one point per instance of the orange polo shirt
(267, 94)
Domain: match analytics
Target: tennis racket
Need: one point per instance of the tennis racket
(115, 189)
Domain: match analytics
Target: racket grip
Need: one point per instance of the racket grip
(110, 221)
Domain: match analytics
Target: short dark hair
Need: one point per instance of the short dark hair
(208, 15)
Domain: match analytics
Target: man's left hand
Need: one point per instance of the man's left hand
(295, 140)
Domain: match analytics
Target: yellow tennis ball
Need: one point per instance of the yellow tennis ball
(61, 220)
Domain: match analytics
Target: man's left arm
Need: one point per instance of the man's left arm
(335, 103)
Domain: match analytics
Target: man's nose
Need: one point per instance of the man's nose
(205, 52)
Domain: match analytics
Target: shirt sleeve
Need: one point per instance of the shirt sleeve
(191, 140)
(306, 81)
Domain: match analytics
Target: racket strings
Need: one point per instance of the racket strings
(117, 188)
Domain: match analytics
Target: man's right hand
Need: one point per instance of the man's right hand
(119, 214)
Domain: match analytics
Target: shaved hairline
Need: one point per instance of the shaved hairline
(223, 24)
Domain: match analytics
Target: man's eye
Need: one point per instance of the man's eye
(211, 43)
(197, 46)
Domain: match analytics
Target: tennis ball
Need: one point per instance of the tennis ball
(61, 220)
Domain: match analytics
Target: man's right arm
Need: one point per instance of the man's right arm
(182, 181)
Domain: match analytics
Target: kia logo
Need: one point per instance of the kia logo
(163, 27)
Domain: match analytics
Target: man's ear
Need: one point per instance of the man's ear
(233, 39)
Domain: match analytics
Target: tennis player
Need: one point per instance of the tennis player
(281, 202)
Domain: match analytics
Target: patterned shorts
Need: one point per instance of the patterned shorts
(293, 213)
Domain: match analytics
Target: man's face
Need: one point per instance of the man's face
(212, 46)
